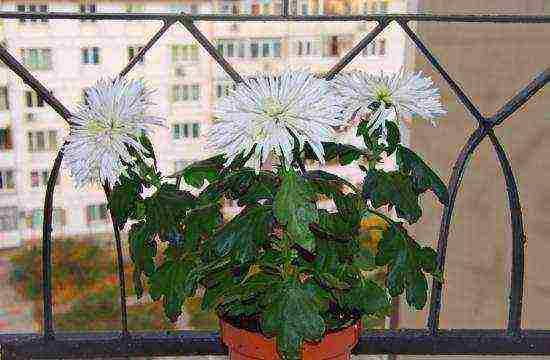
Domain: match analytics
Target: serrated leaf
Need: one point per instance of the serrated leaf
(346, 154)
(245, 233)
(326, 183)
(174, 282)
(124, 198)
(294, 207)
(167, 207)
(417, 289)
(369, 298)
(331, 281)
(393, 137)
(392, 188)
(201, 221)
(423, 177)
(293, 316)
(143, 250)
(205, 170)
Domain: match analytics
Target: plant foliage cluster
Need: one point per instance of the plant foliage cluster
(282, 265)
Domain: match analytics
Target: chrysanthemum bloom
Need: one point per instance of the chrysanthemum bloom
(385, 96)
(111, 120)
(268, 111)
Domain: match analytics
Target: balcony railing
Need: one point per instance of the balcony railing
(510, 341)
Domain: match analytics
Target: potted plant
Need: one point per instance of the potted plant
(287, 278)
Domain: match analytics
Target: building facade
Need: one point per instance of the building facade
(70, 55)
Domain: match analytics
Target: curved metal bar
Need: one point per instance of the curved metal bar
(435, 63)
(47, 247)
(207, 45)
(357, 49)
(462, 18)
(454, 184)
(518, 236)
(120, 266)
(521, 97)
(150, 43)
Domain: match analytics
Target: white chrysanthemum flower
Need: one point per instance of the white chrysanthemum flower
(103, 128)
(386, 96)
(268, 110)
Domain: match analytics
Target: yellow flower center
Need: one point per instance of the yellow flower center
(384, 96)
(273, 108)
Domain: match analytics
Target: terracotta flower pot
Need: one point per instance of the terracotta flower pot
(246, 345)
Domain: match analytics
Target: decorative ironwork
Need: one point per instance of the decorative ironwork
(432, 340)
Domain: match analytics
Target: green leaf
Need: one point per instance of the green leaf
(196, 173)
(368, 298)
(417, 289)
(423, 177)
(364, 259)
(393, 138)
(167, 207)
(326, 183)
(174, 281)
(242, 237)
(143, 250)
(294, 207)
(124, 199)
(346, 154)
(202, 221)
(292, 316)
(392, 188)
(331, 281)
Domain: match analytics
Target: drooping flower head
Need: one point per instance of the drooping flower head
(268, 111)
(111, 119)
(386, 96)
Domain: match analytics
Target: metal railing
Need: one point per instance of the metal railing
(432, 340)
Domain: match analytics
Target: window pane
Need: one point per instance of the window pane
(254, 50)
(35, 181)
(52, 139)
(175, 131)
(40, 142)
(265, 49)
(277, 49)
(196, 130)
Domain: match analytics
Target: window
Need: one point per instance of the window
(546, 6)
(185, 92)
(5, 139)
(265, 9)
(42, 140)
(278, 8)
(8, 218)
(315, 7)
(265, 50)
(333, 46)
(33, 100)
(231, 47)
(380, 7)
(90, 55)
(36, 219)
(196, 130)
(33, 8)
(382, 47)
(185, 130)
(305, 48)
(4, 100)
(6, 179)
(96, 212)
(185, 8)
(222, 88)
(294, 7)
(133, 51)
(254, 49)
(255, 9)
(88, 9)
(40, 178)
(135, 8)
(235, 9)
(37, 58)
(187, 52)
(365, 8)
(305, 8)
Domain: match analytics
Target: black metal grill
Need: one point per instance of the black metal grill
(511, 341)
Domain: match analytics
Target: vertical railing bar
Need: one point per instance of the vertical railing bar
(521, 97)
(454, 184)
(58, 107)
(120, 265)
(107, 189)
(285, 8)
(167, 24)
(435, 63)
(518, 236)
(207, 45)
(47, 246)
(344, 61)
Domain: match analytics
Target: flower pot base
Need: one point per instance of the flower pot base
(247, 345)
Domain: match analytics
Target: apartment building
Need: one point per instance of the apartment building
(70, 55)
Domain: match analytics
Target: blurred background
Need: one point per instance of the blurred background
(491, 62)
